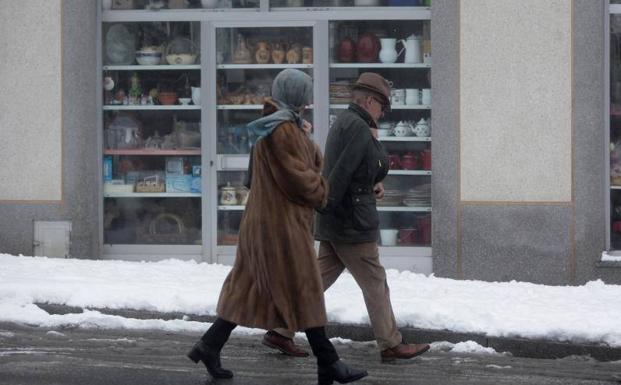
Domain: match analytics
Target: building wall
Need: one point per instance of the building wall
(72, 196)
(548, 229)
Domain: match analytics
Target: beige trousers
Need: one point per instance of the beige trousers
(362, 261)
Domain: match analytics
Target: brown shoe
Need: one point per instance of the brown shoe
(404, 351)
(284, 344)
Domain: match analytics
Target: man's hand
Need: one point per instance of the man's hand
(378, 189)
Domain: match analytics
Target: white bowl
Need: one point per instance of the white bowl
(185, 101)
(147, 58)
(383, 132)
(181, 58)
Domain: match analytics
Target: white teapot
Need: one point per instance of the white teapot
(422, 128)
(403, 129)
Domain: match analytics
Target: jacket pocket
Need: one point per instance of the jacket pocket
(364, 213)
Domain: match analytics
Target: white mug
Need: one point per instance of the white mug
(426, 96)
(412, 96)
(389, 237)
(397, 96)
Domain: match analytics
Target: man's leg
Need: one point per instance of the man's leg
(330, 266)
(362, 261)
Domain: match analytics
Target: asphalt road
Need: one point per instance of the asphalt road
(36, 356)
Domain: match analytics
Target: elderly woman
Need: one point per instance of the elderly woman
(275, 281)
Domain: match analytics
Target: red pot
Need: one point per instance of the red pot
(346, 50)
(394, 162)
(425, 159)
(409, 162)
(407, 236)
(367, 48)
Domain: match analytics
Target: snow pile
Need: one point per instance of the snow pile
(588, 313)
(610, 257)
(470, 347)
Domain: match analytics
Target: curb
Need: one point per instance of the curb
(520, 347)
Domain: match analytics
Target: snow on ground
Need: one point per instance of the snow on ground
(588, 313)
(610, 257)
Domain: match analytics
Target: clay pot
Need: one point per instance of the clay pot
(241, 54)
(294, 55)
(367, 48)
(167, 98)
(307, 55)
(262, 55)
(346, 50)
(278, 54)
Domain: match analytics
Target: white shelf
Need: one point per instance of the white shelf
(409, 172)
(149, 107)
(160, 67)
(261, 66)
(404, 138)
(232, 208)
(380, 65)
(246, 107)
(416, 209)
(240, 106)
(152, 195)
(394, 107)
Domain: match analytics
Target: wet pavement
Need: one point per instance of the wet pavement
(30, 355)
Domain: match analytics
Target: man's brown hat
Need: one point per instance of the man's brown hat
(371, 81)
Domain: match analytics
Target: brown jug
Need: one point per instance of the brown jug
(367, 48)
(346, 50)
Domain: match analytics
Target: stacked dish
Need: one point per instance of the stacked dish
(391, 198)
(419, 196)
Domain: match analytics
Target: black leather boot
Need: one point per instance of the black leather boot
(211, 359)
(340, 373)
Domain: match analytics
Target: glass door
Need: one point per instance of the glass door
(151, 135)
(247, 60)
(400, 51)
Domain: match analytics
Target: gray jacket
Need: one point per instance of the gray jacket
(354, 162)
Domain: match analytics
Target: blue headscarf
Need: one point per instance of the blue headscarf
(291, 90)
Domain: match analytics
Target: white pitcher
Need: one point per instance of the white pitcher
(388, 53)
(413, 52)
(196, 95)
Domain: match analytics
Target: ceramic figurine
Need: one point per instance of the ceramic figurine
(294, 54)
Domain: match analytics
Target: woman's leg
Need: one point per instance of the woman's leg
(329, 366)
(208, 348)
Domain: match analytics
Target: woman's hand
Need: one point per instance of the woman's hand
(307, 126)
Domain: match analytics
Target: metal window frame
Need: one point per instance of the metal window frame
(316, 17)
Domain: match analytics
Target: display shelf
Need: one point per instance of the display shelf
(160, 67)
(240, 106)
(394, 107)
(409, 172)
(246, 107)
(153, 152)
(404, 138)
(416, 209)
(152, 195)
(261, 66)
(380, 65)
(150, 107)
(231, 207)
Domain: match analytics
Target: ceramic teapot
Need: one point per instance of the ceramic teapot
(412, 46)
(403, 129)
(422, 128)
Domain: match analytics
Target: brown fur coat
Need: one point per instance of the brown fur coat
(275, 281)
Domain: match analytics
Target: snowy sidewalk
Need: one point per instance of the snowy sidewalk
(589, 314)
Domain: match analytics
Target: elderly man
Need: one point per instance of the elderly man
(347, 228)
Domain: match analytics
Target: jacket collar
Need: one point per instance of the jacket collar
(363, 114)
